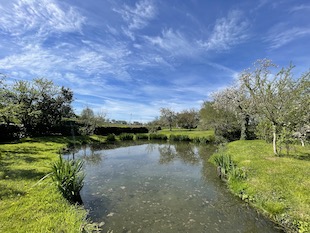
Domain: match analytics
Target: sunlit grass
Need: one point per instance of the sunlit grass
(191, 133)
(278, 186)
(26, 204)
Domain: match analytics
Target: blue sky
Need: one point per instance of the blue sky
(130, 58)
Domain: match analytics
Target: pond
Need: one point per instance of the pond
(162, 188)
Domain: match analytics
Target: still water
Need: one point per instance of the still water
(162, 188)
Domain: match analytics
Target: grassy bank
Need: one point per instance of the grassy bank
(25, 204)
(278, 186)
(190, 133)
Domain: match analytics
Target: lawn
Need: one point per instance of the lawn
(278, 186)
(27, 205)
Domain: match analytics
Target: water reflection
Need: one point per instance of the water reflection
(186, 152)
(162, 188)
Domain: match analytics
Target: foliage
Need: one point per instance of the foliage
(188, 119)
(89, 122)
(68, 176)
(224, 122)
(278, 98)
(168, 116)
(236, 100)
(38, 105)
(111, 138)
(126, 136)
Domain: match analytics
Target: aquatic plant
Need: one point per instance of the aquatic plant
(69, 178)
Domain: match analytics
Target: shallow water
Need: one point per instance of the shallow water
(162, 188)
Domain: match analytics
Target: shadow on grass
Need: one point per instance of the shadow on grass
(8, 192)
(28, 174)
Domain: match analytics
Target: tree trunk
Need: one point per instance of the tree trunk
(274, 142)
(245, 127)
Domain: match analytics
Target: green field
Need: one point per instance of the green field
(278, 186)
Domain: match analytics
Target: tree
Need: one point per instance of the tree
(38, 105)
(223, 121)
(188, 119)
(237, 100)
(278, 98)
(89, 121)
(168, 116)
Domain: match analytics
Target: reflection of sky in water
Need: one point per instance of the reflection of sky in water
(162, 188)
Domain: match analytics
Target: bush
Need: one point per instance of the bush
(11, 132)
(142, 137)
(69, 178)
(154, 136)
(111, 138)
(119, 130)
(179, 138)
(125, 137)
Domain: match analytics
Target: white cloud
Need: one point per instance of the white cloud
(280, 36)
(137, 17)
(301, 7)
(227, 32)
(42, 16)
(173, 42)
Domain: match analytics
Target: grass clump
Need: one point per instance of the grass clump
(278, 186)
(68, 176)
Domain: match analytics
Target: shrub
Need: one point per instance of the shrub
(125, 137)
(111, 138)
(154, 136)
(142, 137)
(179, 138)
(69, 178)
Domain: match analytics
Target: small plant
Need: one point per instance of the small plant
(142, 137)
(68, 176)
(111, 138)
(125, 137)
(158, 137)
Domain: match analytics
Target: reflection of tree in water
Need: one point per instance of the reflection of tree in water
(183, 151)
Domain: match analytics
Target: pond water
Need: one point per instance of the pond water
(162, 188)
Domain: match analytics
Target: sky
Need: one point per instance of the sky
(128, 59)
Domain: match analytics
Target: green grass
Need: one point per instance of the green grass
(278, 186)
(190, 133)
(27, 205)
